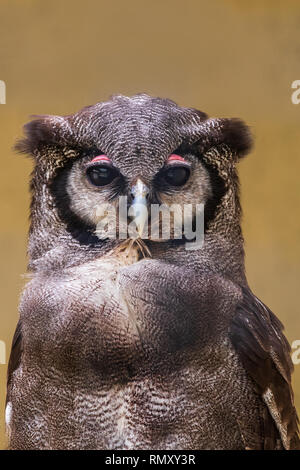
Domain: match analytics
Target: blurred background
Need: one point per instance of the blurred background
(227, 58)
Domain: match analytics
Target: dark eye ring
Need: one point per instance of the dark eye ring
(177, 175)
(101, 175)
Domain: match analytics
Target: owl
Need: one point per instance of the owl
(142, 341)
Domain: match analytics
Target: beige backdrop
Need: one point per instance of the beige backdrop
(228, 58)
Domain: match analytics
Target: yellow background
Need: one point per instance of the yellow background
(228, 58)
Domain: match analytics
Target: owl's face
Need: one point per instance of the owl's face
(176, 181)
(148, 150)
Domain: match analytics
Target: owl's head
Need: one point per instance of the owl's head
(142, 151)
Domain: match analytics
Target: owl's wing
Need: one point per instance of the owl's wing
(258, 338)
(15, 358)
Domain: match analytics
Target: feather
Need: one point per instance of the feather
(15, 357)
(257, 336)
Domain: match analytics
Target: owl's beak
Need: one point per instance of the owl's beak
(139, 207)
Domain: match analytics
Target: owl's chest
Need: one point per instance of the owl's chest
(129, 356)
(111, 315)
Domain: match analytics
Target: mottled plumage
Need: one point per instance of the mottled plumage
(115, 349)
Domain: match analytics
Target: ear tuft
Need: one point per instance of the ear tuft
(237, 136)
(42, 131)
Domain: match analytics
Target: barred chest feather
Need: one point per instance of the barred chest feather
(117, 312)
(118, 361)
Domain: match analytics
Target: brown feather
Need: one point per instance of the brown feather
(15, 357)
(258, 337)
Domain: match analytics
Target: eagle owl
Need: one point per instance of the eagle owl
(141, 343)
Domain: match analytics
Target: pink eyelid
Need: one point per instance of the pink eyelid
(101, 158)
(174, 157)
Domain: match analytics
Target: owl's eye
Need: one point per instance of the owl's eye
(101, 175)
(177, 175)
